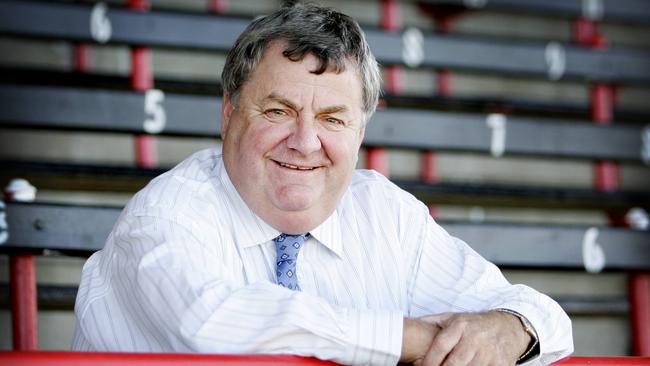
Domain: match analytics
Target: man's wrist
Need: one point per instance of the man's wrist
(417, 336)
(533, 349)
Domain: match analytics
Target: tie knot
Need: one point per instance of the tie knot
(287, 248)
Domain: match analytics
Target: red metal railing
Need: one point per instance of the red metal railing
(603, 361)
(149, 359)
(59, 358)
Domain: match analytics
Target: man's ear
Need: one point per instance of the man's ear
(226, 112)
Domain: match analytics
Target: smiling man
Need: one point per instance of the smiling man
(292, 137)
(278, 246)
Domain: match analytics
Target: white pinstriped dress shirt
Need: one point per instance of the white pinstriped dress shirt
(189, 267)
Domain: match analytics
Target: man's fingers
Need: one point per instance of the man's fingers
(477, 360)
(474, 339)
(462, 355)
(442, 345)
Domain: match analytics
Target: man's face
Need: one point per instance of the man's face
(292, 138)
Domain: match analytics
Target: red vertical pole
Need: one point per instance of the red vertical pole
(22, 281)
(429, 173)
(607, 173)
(24, 310)
(376, 157)
(639, 292)
(141, 73)
(443, 82)
(607, 179)
(443, 17)
(217, 6)
(81, 57)
(602, 103)
(146, 154)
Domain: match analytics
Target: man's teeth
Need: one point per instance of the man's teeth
(295, 167)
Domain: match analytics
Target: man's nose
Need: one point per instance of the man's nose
(304, 136)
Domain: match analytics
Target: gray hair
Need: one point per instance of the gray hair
(331, 36)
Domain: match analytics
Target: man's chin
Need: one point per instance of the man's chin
(294, 198)
(294, 205)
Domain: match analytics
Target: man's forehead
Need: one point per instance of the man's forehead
(292, 102)
(278, 78)
(320, 98)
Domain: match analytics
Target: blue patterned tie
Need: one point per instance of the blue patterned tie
(287, 248)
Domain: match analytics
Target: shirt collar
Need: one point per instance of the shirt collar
(250, 230)
(329, 233)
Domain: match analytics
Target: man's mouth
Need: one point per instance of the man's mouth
(295, 167)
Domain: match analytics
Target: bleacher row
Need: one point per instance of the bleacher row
(44, 99)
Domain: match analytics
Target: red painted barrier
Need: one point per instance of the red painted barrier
(60, 358)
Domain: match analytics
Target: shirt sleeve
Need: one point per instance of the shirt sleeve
(449, 276)
(157, 288)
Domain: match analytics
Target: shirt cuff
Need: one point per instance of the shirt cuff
(374, 337)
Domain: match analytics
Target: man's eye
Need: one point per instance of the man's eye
(334, 123)
(276, 114)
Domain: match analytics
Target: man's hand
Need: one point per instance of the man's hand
(490, 338)
(416, 339)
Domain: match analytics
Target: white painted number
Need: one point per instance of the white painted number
(593, 255)
(412, 47)
(497, 123)
(555, 60)
(477, 214)
(4, 230)
(645, 145)
(100, 25)
(593, 9)
(475, 3)
(153, 109)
